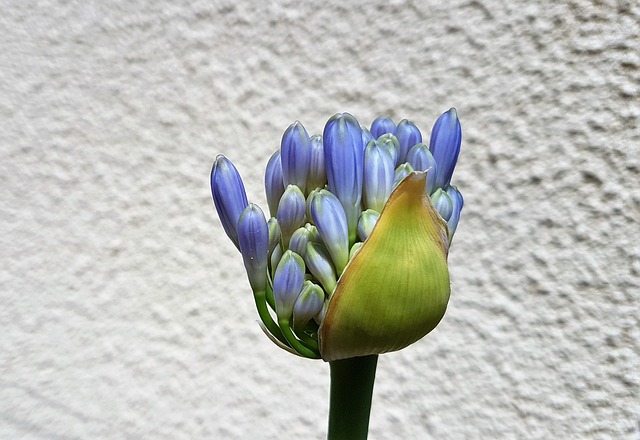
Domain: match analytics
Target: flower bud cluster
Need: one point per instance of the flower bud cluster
(325, 195)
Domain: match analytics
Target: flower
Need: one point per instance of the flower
(353, 259)
(446, 138)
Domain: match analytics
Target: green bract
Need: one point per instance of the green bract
(396, 288)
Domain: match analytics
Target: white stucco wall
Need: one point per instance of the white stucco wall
(125, 312)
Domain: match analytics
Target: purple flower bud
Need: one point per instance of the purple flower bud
(391, 143)
(291, 212)
(229, 196)
(287, 283)
(446, 137)
(408, 135)
(320, 265)
(295, 156)
(378, 176)
(275, 257)
(274, 233)
(308, 201)
(457, 202)
(253, 236)
(382, 125)
(299, 240)
(330, 220)
(317, 174)
(273, 182)
(344, 158)
(442, 202)
(366, 223)
(366, 136)
(308, 304)
(420, 158)
(314, 232)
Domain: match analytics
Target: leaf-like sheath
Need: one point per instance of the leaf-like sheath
(396, 288)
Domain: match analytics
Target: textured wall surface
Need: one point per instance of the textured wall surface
(125, 311)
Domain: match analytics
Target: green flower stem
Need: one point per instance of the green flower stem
(265, 317)
(269, 296)
(307, 340)
(350, 400)
(294, 342)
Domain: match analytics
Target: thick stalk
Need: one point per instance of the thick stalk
(350, 399)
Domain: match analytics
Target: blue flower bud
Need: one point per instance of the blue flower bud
(287, 283)
(253, 236)
(330, 220)
(275, 257)
(457, 202)
(344, 158)
(309, 200)
(309, 304)
(273, 182)
(442, 203)
(274, 233)
(401, 172)
(315, 237)
(408, 135)
(366, 136)
(382, 125)
(317, 174)
(391, 143)
(446, 137)
(229, 196)
(367, 221)
(291, 212)
(378, 175)
(420, 158)
(299, 240)
(320, 265)
(295, 156)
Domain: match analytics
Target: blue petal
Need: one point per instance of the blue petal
(273, 182)
(458, 203)
(367, 222)
(299, 240)
(443, 204)
(366, 136)
(320, 265)
(331, 221)
(420, 158)
(446, 137)
(229, 195)
(291, 212)
(391, 144)
(408, 135)
(378, 176)
(287, 283)
(382, 125)
(317, 174)
(253, 236)
(308, 304)
(295, 156)
(344, 158)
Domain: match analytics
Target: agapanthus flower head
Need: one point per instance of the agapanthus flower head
(353, 260)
